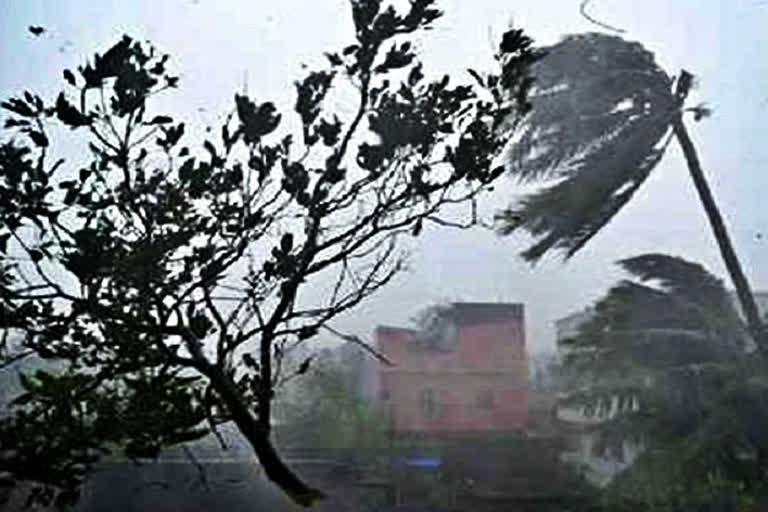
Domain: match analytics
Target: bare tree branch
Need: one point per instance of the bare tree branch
(360, 343)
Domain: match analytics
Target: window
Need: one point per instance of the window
(485, 399)
(428, 404)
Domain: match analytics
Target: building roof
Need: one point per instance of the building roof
(466, 313)
(479, 312)
(583, 315)
(390, 329)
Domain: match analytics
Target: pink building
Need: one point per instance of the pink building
(466, 371)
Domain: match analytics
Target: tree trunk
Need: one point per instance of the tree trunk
(274, 466)
(743, 290)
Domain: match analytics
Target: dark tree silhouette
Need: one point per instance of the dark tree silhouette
(604, 112)
(662, 364)
(167, 276)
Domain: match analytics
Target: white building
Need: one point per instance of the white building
(598, 469)
(568, 327)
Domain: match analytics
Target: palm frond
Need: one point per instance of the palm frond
(680, 277)
(664, 339)
(693, 287)
(601, 110)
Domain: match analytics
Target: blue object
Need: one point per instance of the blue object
(424, 462)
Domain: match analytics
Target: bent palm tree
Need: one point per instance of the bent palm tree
(603, 114)
(660, 364)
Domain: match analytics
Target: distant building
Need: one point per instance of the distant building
(579, 429)
(601, 468)
(568, 327)
(466, 370)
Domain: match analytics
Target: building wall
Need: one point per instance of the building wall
(598, 469)
(569, 326)
(458, 403)
(480, 385)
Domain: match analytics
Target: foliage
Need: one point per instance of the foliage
(602, 110)
(323, 410)
(601, 107)
(663, 363)
(167, 275)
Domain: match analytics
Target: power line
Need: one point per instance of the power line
(583, 11)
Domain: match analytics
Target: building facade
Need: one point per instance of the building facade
(465, 370)
(578, 428)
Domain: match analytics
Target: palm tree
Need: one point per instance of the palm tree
(661, 363)
(603, 114)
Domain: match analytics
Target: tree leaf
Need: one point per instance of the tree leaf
(4, 242)
(334, 59)
(10, 123)
(513, 40)
(211, 149)
(396, 58)
(70, 115)
(161, 120)
(329, 132)
(17, 106)
(415, 75)
(69, 77)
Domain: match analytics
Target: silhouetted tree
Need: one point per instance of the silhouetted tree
(168, 276)
(604, 112)
(663, 364)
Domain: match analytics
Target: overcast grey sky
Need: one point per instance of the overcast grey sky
(215, 42)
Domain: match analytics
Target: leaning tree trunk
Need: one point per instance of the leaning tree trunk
(273, 465)
(743, 290)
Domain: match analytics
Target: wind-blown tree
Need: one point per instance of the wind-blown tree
(325, 411)
(663, 365)
(168, 275)
(604, 113)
